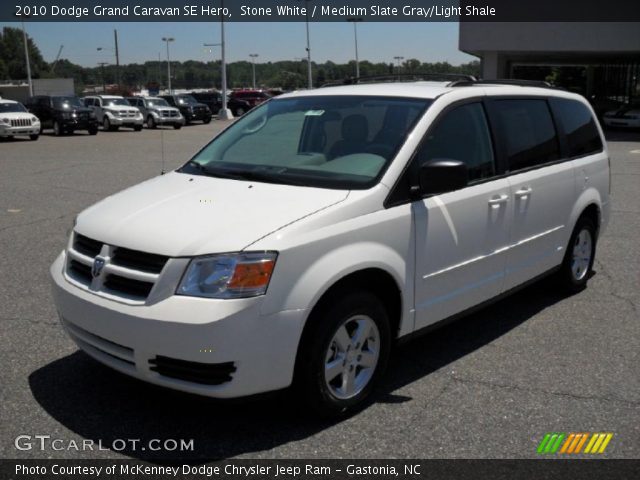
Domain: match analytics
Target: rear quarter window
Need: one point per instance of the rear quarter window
(527, 131)
(583, 137)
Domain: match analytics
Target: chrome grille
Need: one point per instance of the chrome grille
(127, 274)
(20, 122)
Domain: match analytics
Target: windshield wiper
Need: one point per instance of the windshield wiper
(249, 175)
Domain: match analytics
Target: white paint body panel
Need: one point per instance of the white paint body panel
(445, 253)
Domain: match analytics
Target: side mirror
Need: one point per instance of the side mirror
(441, 176)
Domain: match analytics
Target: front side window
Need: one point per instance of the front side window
(324, 141)
(462, 135)
(579, 127)
(528, 132)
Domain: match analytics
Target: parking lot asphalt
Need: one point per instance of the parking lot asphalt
(488, 386)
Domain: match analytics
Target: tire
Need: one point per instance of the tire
(177, 126)
(206, 120)
(34, 137)
(93, 130)
(57, 129)
(106, 124)
(137, 128)
(151, 123)
(578, 259)
(239, 112)
(335, 370)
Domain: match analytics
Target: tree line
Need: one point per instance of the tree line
(192, 74)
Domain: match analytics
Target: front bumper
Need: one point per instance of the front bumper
(131, 338)
(168, 120)
(79, 124)
(7, 131)
(126, 121)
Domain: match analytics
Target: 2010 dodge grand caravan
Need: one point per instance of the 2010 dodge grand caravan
(299, 244)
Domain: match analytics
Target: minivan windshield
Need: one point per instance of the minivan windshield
(342, 142)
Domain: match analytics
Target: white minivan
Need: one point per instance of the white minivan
(323, 226)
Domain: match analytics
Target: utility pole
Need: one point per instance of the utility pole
(104, 84)
(398, 59)
(224, 113)
(26, 56)
(309, 75)
(253, 64)
(115, 37)
(355, 21)
(167, 40)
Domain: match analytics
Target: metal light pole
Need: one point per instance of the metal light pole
(253, 64)
(26, 56)
(398, 59)
(104, 85)
(224, 113)
(167, 40)
(309, 76)
(355, 21)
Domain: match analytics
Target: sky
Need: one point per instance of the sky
(139, 42)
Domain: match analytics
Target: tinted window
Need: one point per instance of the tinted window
(579, 126)
(462, 134)
(527, 131)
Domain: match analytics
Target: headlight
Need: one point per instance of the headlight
(229, 275)
(34, 119)
(5, 120)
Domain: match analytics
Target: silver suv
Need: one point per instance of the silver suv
(156, 111)
(113, 112)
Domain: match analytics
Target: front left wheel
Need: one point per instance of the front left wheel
(343, 353)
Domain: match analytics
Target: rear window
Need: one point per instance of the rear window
(583, 137)
(528, 132)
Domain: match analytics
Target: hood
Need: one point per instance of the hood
(18, 115)
(75, 110)
(183, 215)
(624, 110)
(121, 108)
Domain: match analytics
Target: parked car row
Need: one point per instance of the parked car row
(65, 114)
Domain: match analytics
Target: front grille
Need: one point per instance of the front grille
(195, 372)
(86, 245)
(136, 260)
(128, 274)
(21, 122)
(128, 286)
(80, 271)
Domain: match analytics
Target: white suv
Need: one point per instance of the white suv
(324, 225)
(114, 112)
(15, 120)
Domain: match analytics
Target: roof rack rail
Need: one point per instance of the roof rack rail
(403, 77)
(503, 81)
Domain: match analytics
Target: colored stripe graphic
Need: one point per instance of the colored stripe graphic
(573, 443)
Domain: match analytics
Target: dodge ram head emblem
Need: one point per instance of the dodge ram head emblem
(98, 265)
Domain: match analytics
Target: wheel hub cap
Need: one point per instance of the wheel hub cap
(352, 357)
(581, 255)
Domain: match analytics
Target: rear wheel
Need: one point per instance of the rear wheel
(578, 259)
(239, 112)
(343, 353)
